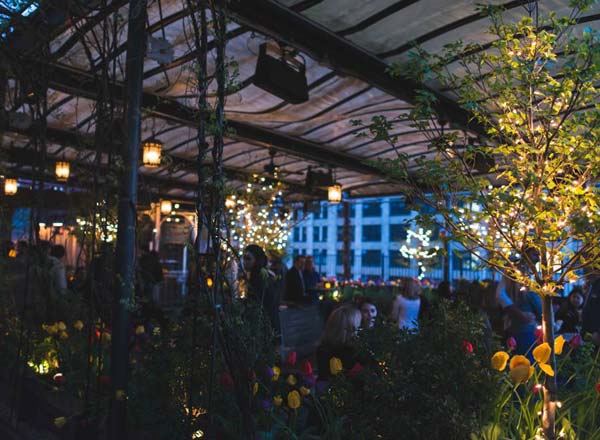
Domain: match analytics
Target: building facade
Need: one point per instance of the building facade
(378, 229)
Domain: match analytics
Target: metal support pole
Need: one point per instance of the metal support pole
(125, 252)
(346, 236)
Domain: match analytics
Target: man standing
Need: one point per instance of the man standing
(295, 290)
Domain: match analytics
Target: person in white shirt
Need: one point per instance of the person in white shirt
(58, 275)
(405, 309)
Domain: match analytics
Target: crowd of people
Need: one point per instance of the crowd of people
(509, 309)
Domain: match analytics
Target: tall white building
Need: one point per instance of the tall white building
(377, 231)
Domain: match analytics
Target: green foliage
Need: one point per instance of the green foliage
(517, 412)
(531, 181)
(423, 385)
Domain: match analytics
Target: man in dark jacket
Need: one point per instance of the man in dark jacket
(295, 290)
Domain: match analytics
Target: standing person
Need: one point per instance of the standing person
(58, 275)
(523, 311)
(311, 279)
(151, 274)
(260, 281)
(591, 313)
(405, 309)
(295, 289)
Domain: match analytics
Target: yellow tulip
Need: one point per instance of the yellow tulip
(78, 325)
(519, 360)
(277, 400)
(542, 352)
(59, 422)
(304, 391)
(255, 389)
(276, 373)
(547, 369)
(294, 400)
(521, 373)
(558, 344)
(120, 395)
(52, 329)
(140, 330)
(335, 366)
(291, 380)
(61, 326)
(499, 360)
(63, 335)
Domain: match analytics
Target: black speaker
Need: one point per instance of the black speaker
(279, 78)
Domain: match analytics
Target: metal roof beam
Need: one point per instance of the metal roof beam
(273, 19)
(78, 83)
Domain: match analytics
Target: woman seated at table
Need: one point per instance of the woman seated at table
(339, 339)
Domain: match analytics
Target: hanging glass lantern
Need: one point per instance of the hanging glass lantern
(166, 207)
(334, 193)
(62, 170)
(151, 152)
(10, 187)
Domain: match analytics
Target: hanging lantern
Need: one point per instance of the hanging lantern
(62, 170)
(151, 154)
(10, 187)
(334, 193)
(166, 207)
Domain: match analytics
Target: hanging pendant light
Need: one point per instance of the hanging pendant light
(151, 152)
(334, 193)
(166, 207)
(62, 170)
(10, 187)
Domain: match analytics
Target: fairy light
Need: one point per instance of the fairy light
(418, 247)
(255, 217)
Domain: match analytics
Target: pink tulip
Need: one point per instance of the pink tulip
(511, 343)
(575, 341)
(467, 347)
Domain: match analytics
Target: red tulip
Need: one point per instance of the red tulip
(59, 379)
(598, 387)
(467, 347)
(306, 368)
(575, 341)
(226, 380)
(291, 358)
(511, 343)
(355, 370)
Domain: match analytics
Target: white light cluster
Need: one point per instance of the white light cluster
(264, 224)
(421, 250)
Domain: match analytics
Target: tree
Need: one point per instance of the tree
(257, 216)
(533, 179)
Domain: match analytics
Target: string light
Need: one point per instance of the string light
(419, 251)
(257, 217)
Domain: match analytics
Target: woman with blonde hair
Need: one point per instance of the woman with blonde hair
(405, 310)
(338, 339)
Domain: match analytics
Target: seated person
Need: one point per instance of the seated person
(338, 339)
(368, 311)
(570, 313)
